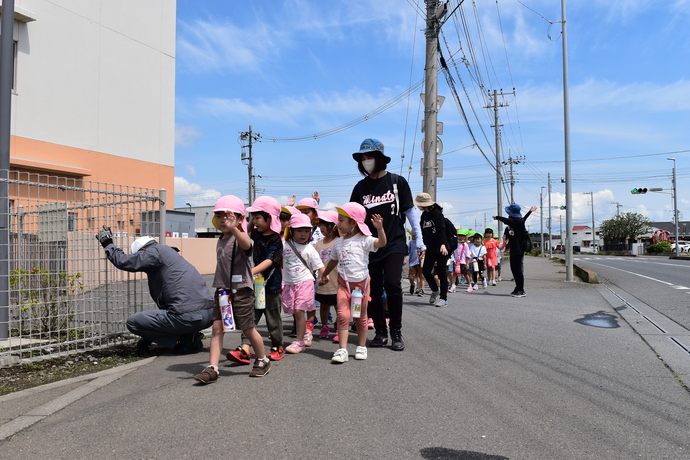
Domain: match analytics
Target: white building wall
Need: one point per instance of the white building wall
(89, 76)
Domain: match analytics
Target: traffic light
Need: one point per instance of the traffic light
(562, 207)
(638, 191)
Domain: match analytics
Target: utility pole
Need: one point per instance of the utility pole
(513, 161)
(550, 232)
(541, 216)
(594, 233)
(251, 137)
(618, 208)
(675, 205)
(497, 131)
(6, 66)
(435, 10)
(566, 144)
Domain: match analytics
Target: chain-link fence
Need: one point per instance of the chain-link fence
(64, 295)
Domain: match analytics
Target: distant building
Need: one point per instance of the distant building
(582, 236)
(683, 229)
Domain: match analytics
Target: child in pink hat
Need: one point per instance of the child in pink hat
(326, 294)
(268, 260)
(234, 274)
(351, 255)
(300, 259)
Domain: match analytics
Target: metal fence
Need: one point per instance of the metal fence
(64, 295)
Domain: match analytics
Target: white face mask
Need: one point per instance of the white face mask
(369, 165)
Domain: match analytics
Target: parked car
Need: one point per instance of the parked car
(684, 246)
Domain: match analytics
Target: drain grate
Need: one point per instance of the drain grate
(685, 348)
(655, 324)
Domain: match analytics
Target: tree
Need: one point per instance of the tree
(625, 228)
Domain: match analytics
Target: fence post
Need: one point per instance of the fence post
(161, 207)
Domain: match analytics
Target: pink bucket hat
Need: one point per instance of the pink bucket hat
(305, 203)
(300, 221)
(356, 212)
(270, 206)
(328, 216)
(230, 203)
(290, 210)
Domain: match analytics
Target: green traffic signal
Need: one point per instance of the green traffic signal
(638, 191)
(562, 207)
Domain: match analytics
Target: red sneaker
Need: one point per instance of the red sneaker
(239, 356)
(276, 353)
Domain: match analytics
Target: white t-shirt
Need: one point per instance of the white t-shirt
(294, 271)
(352, 255)
(477, 251)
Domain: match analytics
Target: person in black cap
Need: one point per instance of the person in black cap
(185, 305)
(388, 195)
(519, 243)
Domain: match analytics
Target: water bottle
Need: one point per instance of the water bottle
(259, 293)
(475, 266)
(457, 268)
(225, 303)
(356, 303)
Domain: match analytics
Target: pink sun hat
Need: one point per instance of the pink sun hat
(356, 212)
(270, 206)
(300, 221)
(290, 210)
(328, 216)
(230, 203)
(305, 203)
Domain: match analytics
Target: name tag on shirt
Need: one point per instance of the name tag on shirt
(236, 278)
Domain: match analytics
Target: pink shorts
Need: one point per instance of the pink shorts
(298, 297)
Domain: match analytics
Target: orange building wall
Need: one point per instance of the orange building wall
(60, 160)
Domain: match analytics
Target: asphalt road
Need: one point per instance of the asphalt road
(489, 377)
(659, 282)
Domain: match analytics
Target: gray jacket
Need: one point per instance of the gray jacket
(174, 284)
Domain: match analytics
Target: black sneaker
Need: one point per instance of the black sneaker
(397, 339)
(518, 294)
(379, 340)
(189, 343)
(411, 289)
(143, 345)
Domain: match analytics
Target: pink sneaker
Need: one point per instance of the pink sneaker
(324, 332)
(335, 338)
(469, 288)
(295, 347)
(308, 338)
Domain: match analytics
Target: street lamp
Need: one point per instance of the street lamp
(675, 205)
(190, 206)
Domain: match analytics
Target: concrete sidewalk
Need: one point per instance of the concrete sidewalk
(488, 377)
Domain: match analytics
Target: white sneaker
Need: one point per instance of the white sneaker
(493, 282)
(441, 303)
(484, 284)
(475, 287)
(434, 297)
(361, 353)
(499, 279)
(340, 356)
(469, 288)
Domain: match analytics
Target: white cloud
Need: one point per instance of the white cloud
(188, 192)
(185, 135)
(191, 170)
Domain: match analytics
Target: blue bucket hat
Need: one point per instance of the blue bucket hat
(513, 210)
(370, 146)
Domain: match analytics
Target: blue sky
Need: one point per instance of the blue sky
(296, 68)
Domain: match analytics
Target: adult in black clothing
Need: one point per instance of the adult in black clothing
(518, 242)
(436, 257)
(388, 195)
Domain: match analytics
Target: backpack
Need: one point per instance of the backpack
(451, 235)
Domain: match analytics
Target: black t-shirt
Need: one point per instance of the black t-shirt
(269, 247)
(378, 197)
(433, 231)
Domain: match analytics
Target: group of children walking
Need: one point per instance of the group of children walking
(294, 251)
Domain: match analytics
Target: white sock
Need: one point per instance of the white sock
(215, 368)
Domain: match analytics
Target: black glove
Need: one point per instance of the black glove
(105, 236)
